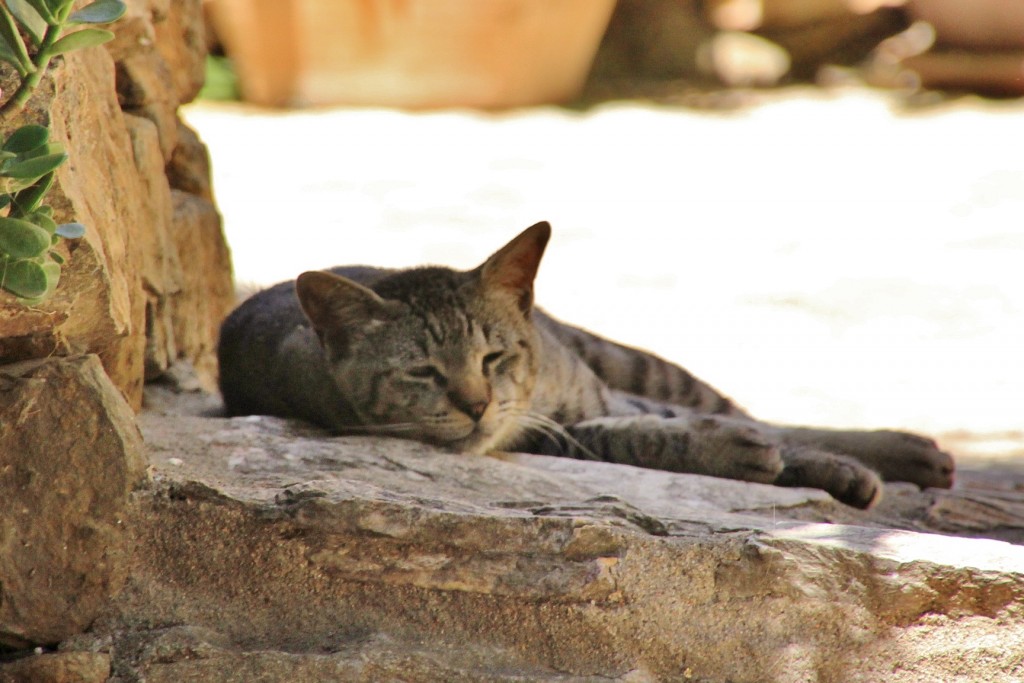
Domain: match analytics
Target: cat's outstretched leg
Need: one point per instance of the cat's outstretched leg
(723, 447)
(845, 479)
(697, 444)
(897, 456)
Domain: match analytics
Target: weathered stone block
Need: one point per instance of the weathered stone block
(160, 51)
(276, 549)
(70, 455)
(115, 297)
(206, 293)
(58, 667)
(189, 169)
(171, 33)
(181, 40)
(95, 308)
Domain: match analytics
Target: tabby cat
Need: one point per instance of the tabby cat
(464, 360)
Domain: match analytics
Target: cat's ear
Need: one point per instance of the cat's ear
(514, 266)
(337, 306)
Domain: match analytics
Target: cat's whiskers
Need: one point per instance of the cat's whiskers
(441, 426)
(448, 428)
(543, 424)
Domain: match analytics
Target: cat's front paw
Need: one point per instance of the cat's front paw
(845, 479)
(913, 458)
(737, 450)
(896, 455)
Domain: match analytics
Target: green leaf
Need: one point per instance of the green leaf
(33, 14)
(6, 55)
(99, 12)
(26, 139)
(52, 270)
(26, 279)
(57, 257)
(49, 8)
(49, 149)
(44, 222)
(29, 18)
(58, 6)
(5, 199)
(34, 168)
(21, 239)
(71, 231)
(12, 185)
(87, 37)
(28, 200)
(10, 37)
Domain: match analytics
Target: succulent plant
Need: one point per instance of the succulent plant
(29, 267)
(32, 32)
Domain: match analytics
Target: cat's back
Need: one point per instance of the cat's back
(271, 313)
(270, 360)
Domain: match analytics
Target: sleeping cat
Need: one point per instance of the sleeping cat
(464, 360)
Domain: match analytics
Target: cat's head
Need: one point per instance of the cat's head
(434, 354)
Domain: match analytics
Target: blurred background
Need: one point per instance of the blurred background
(816, 205)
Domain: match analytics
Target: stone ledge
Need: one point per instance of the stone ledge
(272, 546)
(62, 535)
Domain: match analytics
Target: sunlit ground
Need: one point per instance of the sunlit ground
(822, 259)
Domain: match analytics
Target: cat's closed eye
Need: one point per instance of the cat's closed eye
(430, 372)
(498, 362)
(490, 360)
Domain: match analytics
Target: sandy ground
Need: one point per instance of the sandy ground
(821, 258)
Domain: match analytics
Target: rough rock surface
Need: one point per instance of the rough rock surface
(64, 496)
(94, 308)
(121, 293)
(267, 549)
(205, 292)
(58, 667)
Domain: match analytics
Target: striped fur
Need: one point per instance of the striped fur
(464, 360)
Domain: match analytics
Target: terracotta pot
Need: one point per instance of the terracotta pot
(988, 24)
(411, 53)
(748, 15)
(992, 74)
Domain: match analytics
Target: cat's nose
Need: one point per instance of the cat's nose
(475, 410)
(473, 406)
